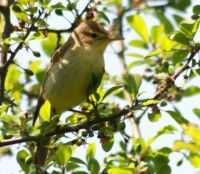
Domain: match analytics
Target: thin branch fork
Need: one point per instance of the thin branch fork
(169, 82)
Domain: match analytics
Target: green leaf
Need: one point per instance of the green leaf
(72, 6)
(28, 72)
(36, 53)
(154, 117)
(77, 160)
(36, 35)
(13, 84)
(63, 154)
(177, 116)
(4, 107)
(14, 121)
(59, 12)
(191, 91)
(71, 166)
(150, 102)
(116, 170)
(168, 27)
(133, 83)
(32, 9)
(135, 63)
(104, 16)
(40, 75)
(194, 132)
(49, 44)
(35, 66)
(17, 8)
(111, 90)
(169, 129)
(180, 38)
(19, 11)
(196, 9)
(93, 166)
(138, 43)
(167, 44)
(57, 5)
(156, 33)
(44, 2)
(189, 28)
(181, 145)
(197, 111)
(161, 163)
(139, 145)
(139, 25)
(45, 111)
(91, 150)
(177, 18)
(21, 159)
(136, 55)
(165, 169)
(179, 56)
(181, 5)
(194, 158)
(155, 53)
(107, 144)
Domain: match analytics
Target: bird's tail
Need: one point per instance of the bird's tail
(42, 145)
(37, 110)
(41, 154)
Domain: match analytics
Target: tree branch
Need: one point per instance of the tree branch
(7, 30)
(66, 129)
(169, 82)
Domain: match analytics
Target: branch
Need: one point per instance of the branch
(65, 129)
(169, 82)
(73, 24)
(7, 30)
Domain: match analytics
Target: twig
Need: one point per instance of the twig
(170, 80)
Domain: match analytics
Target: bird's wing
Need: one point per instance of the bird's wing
(95, 82)
(57, 56)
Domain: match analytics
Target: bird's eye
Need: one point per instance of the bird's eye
(94, 35)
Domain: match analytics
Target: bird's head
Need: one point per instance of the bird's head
(93, 35)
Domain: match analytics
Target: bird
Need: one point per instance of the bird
(76, 68)
(75, 72)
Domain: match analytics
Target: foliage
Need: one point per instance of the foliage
(161, 52)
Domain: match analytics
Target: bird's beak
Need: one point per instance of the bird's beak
(114, 38)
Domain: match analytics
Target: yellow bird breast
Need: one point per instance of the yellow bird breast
(68, 80)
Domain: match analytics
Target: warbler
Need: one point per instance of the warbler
(76, 68)
(75, 71)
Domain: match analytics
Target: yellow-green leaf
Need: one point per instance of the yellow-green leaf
(189, 28)
(139, 25)
(63, 154)
(91, 150)
(119, 170)
(195, 159)
(150, 102)
(49, 44)
(156, 33)
(181, 145)
(108, 144)
(45, 111)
